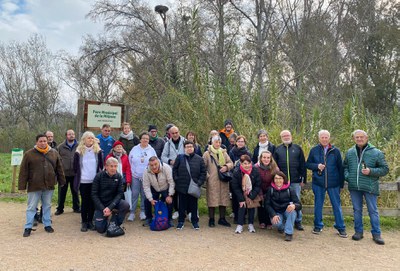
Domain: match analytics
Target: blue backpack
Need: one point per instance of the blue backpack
(160, 220)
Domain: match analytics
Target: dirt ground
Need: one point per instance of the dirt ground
(207, 249)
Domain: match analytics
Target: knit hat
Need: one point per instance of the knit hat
(228, 121)
(116, 143)
(168, 126)
(152, 127)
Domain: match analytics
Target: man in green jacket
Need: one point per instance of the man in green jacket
(363, 166)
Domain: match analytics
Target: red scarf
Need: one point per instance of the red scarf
(245, 171)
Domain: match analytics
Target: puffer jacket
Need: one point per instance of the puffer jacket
(160, 182)
(107, 191)
(38, 173)
(374, 159)
(277, 200)
(297, 163)
(332, 175)
(181, 174)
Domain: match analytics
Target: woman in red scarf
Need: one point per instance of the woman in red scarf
(246, 185)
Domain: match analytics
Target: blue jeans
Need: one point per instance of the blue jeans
(137, 189)
(33, 199)
(101, 221)
(297, 189)
(334, 196)
(372, 206)
(286, 221)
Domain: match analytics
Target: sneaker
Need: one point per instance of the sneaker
(175, 215)
(239, 229)
(298, 226)
(58, 212)
(342, 233)
(180, 226)
(147, 223)
(131, 217)
(317, 231)
(27, 232)
(251, 228)
(84, 227)
(90, 226)
(288, 237)
(142, 216)
(49, 229)
(378, 239)
(211, 222)
(196, 226)
(357, 236)
(223, 222)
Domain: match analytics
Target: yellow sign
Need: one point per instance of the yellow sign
(16, 156)
(98, 115)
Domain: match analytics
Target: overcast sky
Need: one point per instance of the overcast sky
(61, 22)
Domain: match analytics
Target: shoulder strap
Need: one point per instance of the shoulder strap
(188, 167)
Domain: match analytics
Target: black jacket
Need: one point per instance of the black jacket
(107, 191)
(256, 153)
(297, 163)
(158, 146)
(237, 184)
(181, 174)
(276, 201)
(128, 144)
(235, 153)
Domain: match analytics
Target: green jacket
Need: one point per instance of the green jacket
(374, 160)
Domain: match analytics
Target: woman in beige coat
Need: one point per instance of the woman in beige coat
(217, 191)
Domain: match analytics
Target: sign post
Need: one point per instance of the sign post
(16, 159)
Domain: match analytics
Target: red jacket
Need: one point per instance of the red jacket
(126, 167)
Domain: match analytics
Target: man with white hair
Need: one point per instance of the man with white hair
(363, 166)
(107, 193)
(290, 160)
(325, 161)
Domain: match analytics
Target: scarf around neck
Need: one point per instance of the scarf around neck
(227, 134)
(129, 136)
(220, 155)
(44, 151)
(245, 171)
(264, 167)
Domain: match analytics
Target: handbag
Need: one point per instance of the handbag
(250, 204)
(223, 176)
(128, 196)
(113, 229)
(160, 220)
(194, 190)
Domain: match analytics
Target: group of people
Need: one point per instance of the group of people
(267, 181)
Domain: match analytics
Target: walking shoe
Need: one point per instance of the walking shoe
(223, 222)
(180, 226)
(288, 237)
(251, 228)
(58, 212)
(298, 226)
(175, 215)
(131, 217)
(357, 236)
(378, 239)
(147, 223)
(90, 226)
(196, 226)
(49, 229)
(84, 227)
(317, 231)
(142, 216)
(211, 222)
(239, 229)
(27, 232)
(342, 233)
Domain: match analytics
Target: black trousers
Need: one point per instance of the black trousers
(87, 208)
(62, 194)
(162, 195)
(263, 216)
(187, 203)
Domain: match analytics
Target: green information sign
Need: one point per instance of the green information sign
(16, 156)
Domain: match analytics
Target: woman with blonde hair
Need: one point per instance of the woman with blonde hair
(88, 160)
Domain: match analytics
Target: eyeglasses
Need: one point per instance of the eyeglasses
(241, 141)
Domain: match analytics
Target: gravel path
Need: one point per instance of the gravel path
(207, 249)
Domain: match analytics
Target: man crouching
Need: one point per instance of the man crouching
(107, 193)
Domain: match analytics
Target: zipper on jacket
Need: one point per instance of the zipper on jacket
(359, 163)
(326, 168)
(287, 162)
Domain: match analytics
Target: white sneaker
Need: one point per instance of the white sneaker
(251, 228)
(131, 217)
(189, 216)
(239, 229)
(142, 216)
(175, 215)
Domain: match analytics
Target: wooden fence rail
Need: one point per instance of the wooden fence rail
(347, 210)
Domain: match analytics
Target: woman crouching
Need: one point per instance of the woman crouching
(281, 203)
(246, 185)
